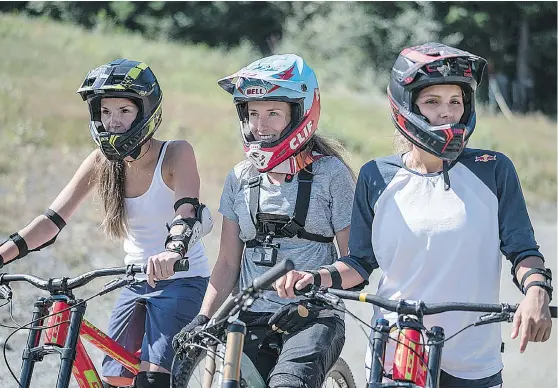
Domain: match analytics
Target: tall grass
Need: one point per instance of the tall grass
(44, 130)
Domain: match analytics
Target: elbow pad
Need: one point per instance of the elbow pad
(21, 244)
(193, 228)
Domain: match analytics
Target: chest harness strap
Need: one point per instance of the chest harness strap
(269, 226)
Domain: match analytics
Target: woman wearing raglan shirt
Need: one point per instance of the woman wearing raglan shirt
(436, 217)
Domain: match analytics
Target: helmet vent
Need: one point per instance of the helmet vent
(455, 145)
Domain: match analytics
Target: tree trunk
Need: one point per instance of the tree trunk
(523, 83)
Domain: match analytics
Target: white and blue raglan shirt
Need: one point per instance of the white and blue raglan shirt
(439, 245)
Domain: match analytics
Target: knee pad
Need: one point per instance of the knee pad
(282, 380)
(152, 380)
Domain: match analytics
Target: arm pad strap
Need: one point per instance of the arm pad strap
(21, 244)
(190, 235)
(335, 276)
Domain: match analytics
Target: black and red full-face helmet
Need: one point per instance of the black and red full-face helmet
(123, 78)
(434, 64)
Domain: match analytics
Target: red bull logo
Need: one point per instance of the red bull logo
(485, 158)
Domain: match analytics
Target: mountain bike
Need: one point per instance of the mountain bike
(416, 363)
(60, 317)
(214, 358)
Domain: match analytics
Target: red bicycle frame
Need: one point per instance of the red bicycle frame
(62, 336)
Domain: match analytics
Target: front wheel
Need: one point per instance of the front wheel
(190, 374)
(339, 375)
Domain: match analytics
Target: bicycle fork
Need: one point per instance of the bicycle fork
(233, 354)
(40, 309)
(60, 331)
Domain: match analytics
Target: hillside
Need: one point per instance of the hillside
(44, 133)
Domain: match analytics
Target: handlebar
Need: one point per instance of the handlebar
(62, 284)
(274, 273)
(412, 307)
(260, 283)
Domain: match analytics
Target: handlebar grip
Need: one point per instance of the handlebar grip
(553, 311)
(304, 290)
(181, 265)
(274, 273)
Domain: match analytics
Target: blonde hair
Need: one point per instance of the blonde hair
(329, 147)
(400, 144)
(110, 177)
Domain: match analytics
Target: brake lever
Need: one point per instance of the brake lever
(323, 296)
(116, 283)
(494, 318)
(5, 292)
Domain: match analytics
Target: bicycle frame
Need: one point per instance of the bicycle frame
(417, 309)
(381, 336)
(67, 315)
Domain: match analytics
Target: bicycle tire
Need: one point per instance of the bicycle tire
(341, 374)
(185, 373)
(188, 374)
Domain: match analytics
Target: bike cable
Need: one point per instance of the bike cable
(345, 310)
(24, 327)
(11, 316)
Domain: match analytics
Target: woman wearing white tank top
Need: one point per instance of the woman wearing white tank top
(138, 179)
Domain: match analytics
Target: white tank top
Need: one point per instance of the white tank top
(148, 215)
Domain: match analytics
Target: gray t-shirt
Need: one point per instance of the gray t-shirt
(329, 211)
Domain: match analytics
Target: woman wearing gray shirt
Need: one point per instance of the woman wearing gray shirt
(289, 200)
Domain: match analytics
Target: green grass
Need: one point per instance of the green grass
(43, 123)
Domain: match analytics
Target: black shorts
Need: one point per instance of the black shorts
(297, 360)
(449, 381)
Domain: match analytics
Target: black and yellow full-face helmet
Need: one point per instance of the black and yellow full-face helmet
(123, 78)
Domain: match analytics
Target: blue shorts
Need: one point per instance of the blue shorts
(148, 318)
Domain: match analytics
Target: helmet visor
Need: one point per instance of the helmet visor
(468, 70)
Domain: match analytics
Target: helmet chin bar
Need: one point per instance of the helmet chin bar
(135, 153)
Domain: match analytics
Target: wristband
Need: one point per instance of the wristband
(542, 285)
(317, 278)
(335, 276)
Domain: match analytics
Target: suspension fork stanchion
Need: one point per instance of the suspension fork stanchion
(233, 354)
(210, 366)
(68, 354)
(40, 309)
(381, 336)
(435, 343)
